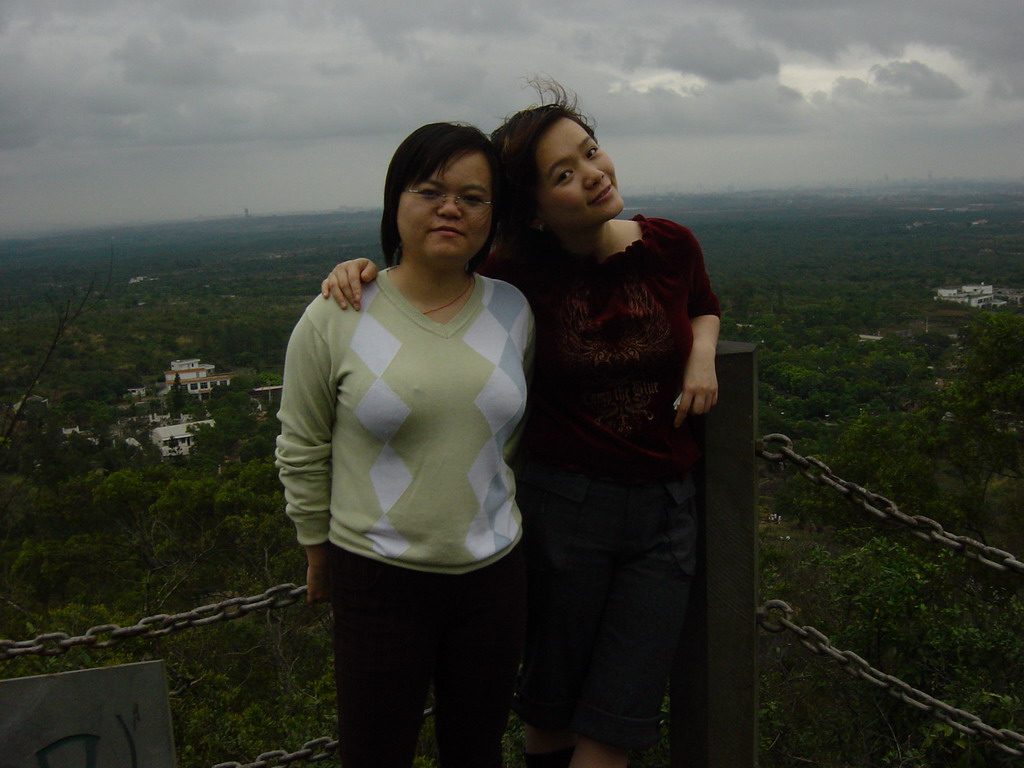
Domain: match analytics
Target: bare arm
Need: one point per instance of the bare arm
(700, 383)
(345, 283)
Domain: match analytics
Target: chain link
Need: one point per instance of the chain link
(279, 757)
(106, 635)
(283, 595)
(1008, 741)
(885, 509)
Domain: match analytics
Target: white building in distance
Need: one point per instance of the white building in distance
(176, 439)
(197, 378)
(972, 295)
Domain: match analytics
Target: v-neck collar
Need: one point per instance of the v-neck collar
(446, 330)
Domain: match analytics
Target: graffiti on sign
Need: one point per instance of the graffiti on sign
(116, 717)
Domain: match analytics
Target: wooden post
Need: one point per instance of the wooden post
(713, 689)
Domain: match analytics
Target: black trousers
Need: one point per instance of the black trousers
(396, 630)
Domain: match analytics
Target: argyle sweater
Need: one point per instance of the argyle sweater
(397, 432)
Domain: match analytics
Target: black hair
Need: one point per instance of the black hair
(423, 152)
(516, 140)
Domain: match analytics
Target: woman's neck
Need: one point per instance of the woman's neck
(429, 289)
(601, 242)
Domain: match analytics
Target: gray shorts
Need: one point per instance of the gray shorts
(609, 570)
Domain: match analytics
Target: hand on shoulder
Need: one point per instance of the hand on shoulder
(345, 282)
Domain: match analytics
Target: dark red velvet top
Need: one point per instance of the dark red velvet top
(611, 344)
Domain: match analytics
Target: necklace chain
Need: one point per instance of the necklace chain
(445, 306)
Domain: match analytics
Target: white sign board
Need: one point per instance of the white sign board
(115, 717)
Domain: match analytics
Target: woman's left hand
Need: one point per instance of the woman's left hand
(700, 382)
(700, 388)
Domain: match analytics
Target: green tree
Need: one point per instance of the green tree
(979, 415)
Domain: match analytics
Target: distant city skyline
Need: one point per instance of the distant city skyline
(118, 112)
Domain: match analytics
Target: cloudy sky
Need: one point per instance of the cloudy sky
(118, 111)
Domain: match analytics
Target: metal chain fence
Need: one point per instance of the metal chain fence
(885, 509)
(774, 616)
(106, 635)
(283, 595)
(326, 746)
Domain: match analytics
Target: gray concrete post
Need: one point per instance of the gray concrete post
(713, 688)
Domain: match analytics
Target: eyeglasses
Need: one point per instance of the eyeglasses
(466, 203)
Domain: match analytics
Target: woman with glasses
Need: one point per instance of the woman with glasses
(627, 326)
(398, 427)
